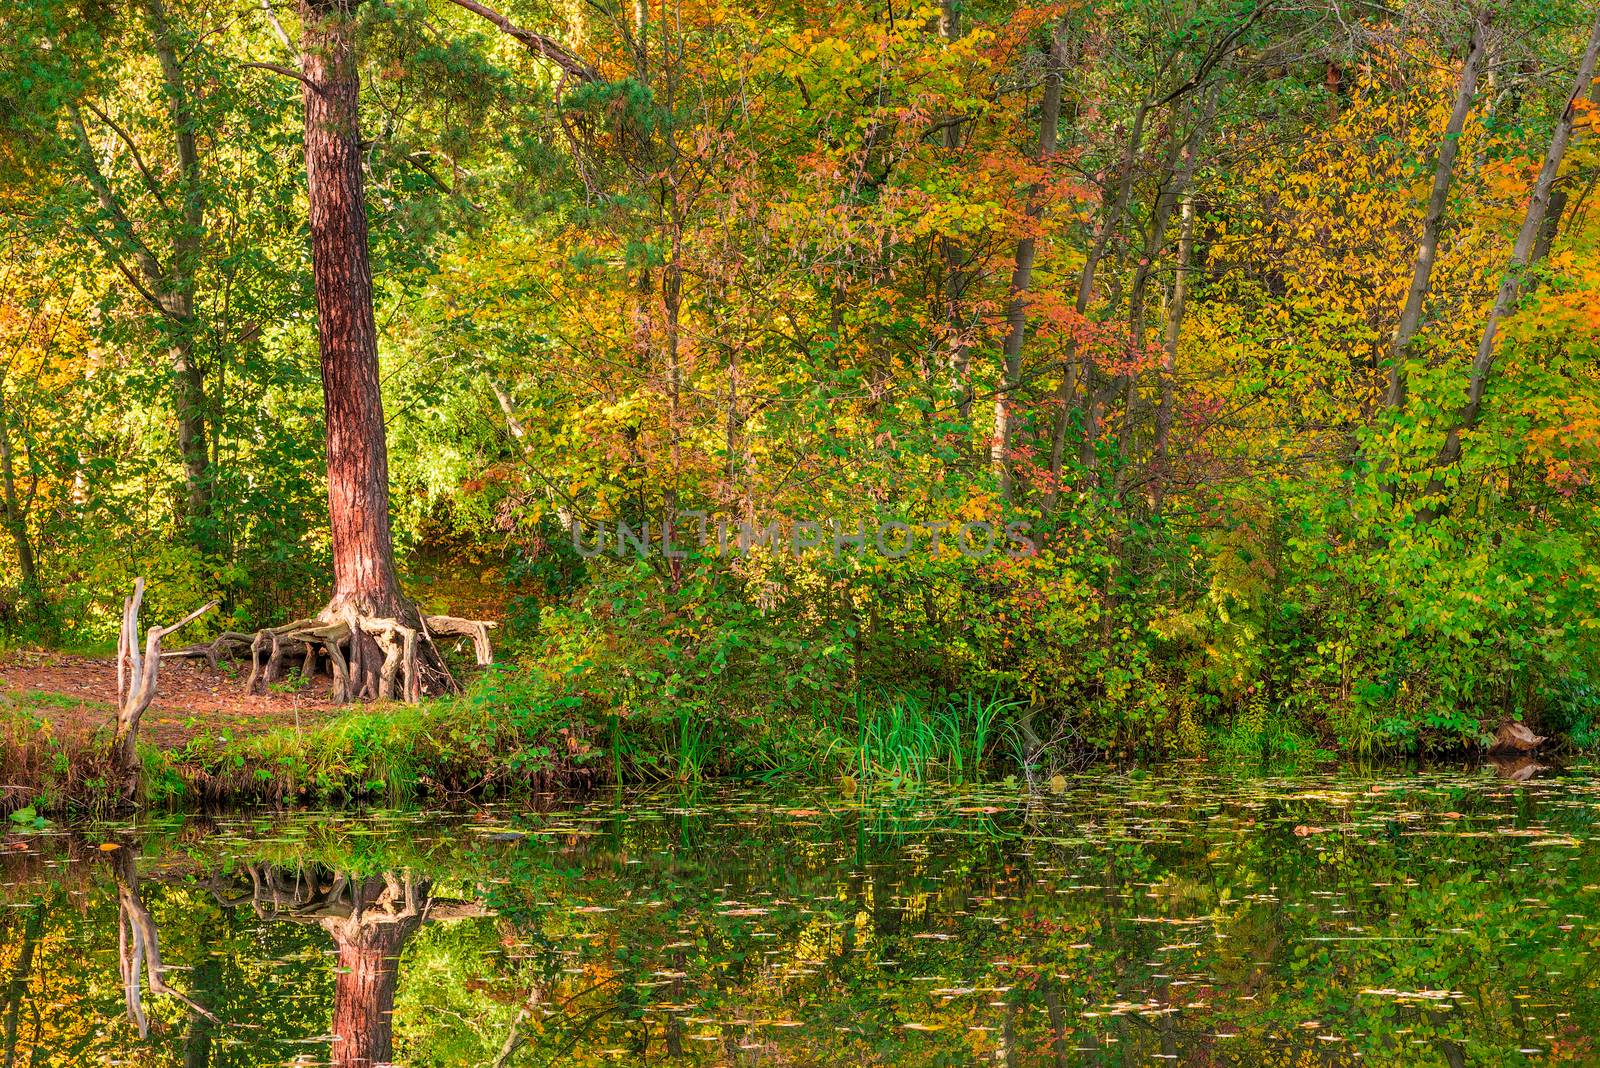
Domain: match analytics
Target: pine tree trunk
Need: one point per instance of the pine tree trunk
(363, 993)
(384, 912)
(365, 586)
(347, 336)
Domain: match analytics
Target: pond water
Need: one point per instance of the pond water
(1178, 918)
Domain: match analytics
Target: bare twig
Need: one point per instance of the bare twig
(536, 43)
(287, 72)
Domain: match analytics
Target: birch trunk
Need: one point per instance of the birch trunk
(1169, 347)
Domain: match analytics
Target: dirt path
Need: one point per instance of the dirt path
(76, 695)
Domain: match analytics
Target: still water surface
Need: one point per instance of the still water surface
(1400, 918)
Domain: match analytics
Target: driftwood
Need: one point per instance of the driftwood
(306, 643)
(136, 679)
(1513, 738)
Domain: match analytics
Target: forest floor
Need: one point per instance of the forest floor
(77, 694)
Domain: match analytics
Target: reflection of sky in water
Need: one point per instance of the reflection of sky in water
(1395, 919)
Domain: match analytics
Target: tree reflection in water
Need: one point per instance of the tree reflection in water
(138, 945)
(370, 918)
(1426, 918)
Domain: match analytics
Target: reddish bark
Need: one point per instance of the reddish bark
(363, 992)
(347, 336)
(366, 591)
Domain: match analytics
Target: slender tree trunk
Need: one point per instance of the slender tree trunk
(177, 288)
(16, 520)
(1552, 217)
(1067, 395)
(1428, 245)
(641, 40)
(170, 289)
(1521, 258)
(1022, 272)
(206, 978)
(1058, 1025)
(1096, 391)
(954, 255)
(672, 311)
(17, 988)
(192, 437)
(1177, 172)
(1169, 358)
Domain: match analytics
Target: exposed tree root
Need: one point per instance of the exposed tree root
(368, 656)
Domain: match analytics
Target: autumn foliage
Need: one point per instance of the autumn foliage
(767, 265)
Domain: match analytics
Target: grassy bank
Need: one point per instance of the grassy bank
(505, 738)
(453, 748)
(508, 737)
